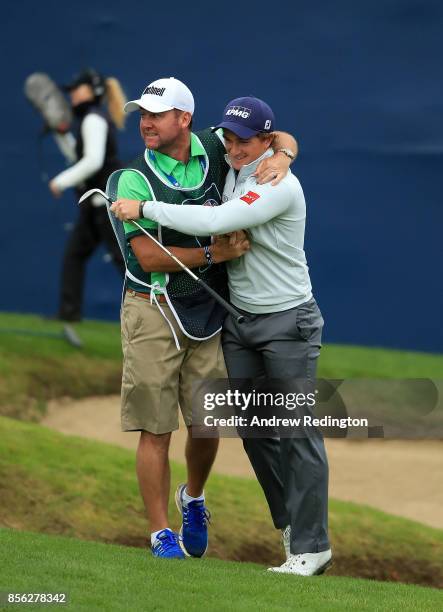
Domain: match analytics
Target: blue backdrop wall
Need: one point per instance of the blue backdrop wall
(358, 83)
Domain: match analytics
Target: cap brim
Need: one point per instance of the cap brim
(153, 106)
(240, 130)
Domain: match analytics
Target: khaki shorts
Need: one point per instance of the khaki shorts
(157, 378)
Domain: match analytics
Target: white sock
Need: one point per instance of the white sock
(155, 533)
(186, 499)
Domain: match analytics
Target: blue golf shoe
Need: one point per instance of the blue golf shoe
(194, 530)
(166, 545)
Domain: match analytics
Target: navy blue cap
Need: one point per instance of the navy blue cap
(246, 117)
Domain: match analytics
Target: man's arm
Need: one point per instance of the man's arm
(276, 167)
(153, 259)
(283, 140)
(149, 255)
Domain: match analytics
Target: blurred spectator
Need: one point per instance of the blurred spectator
(92, 150)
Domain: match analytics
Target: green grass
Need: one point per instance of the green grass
(65, 485)
(36, 368)
(338, 361)
(100, 577)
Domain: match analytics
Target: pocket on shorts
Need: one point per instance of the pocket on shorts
(130, 317)
(310, 322)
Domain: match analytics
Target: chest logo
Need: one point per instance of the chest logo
(250, 197)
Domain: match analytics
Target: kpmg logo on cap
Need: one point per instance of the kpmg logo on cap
(238, 111)
(154, 91)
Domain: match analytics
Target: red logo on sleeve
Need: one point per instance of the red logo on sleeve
(250, 197)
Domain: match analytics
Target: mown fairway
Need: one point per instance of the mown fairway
(104, 577)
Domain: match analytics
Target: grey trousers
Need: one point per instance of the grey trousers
(293, 471)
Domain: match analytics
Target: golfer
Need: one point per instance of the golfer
(171, 327)
(281, 337)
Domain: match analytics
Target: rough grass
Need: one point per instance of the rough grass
(65, 485)
(36, 369)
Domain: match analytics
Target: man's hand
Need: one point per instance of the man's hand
(125, 210)
(272, 169)
(223, 250)
(54, 189)
(237, 237)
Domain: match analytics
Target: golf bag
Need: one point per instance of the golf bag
(49, 101)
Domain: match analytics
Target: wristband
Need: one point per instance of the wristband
(208, 255)
(140, 209)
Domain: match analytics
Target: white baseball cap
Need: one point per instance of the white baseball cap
(163, 95)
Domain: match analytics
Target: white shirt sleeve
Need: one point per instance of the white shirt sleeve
(257, 206)
(94, 133)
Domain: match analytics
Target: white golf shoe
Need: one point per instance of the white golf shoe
(286, 537)
(305, 564)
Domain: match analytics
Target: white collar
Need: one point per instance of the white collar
(249, 169)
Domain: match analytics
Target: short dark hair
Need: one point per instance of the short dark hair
(265, 135)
